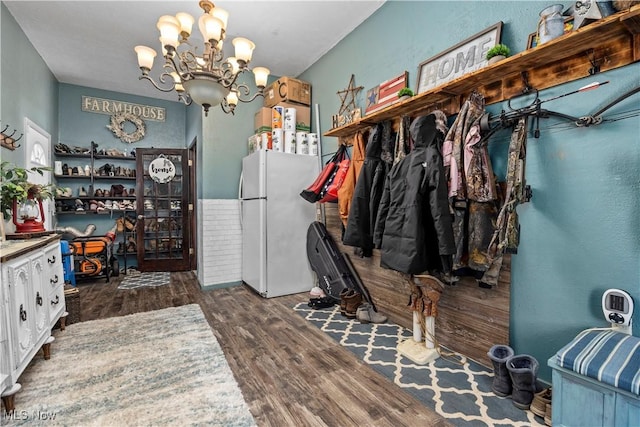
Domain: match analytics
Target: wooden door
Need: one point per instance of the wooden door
(162, 227)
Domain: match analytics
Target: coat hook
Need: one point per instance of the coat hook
(5, 128)
(524, 75)
(595, 63)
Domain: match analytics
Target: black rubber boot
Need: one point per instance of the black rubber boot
(523, 370)
(499, 354)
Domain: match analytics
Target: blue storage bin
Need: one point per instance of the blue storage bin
(67, 263)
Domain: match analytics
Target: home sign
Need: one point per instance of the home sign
(162, 170)
(465, 57)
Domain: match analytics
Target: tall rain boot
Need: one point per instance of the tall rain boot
(501, 380)
(523, 370)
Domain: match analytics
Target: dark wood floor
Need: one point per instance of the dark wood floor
(290, 373)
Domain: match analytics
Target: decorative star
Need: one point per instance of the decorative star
(585, 12)
(351, 91)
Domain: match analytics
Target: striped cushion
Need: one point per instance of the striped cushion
(606, 355)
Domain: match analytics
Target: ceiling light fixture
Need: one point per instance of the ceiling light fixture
(206, 78)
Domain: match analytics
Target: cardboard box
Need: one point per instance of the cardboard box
(262, 120)
(303, 116)
(287, 89)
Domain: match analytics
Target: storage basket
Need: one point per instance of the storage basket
(72, 300)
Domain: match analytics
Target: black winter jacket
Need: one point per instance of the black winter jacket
(413, 228)
(368, 191)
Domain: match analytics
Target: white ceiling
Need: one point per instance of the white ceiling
(90, 43)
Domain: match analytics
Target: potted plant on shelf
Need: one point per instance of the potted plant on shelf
(22, 199)
(405, 93)
(498, 53)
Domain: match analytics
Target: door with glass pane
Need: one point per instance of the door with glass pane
(162, 209)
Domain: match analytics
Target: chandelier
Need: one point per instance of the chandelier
(205, 78)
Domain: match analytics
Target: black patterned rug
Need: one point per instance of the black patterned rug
(454, 386)
(135, 279)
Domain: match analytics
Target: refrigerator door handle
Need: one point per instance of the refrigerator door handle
(240, 198)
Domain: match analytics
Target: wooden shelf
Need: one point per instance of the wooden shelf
(610, 43)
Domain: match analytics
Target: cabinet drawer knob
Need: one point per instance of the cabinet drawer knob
(23, 314)
(38, 299)
(57, 300)
(51, 260)
(54, 280)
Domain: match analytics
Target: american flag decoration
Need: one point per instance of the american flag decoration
(386, 93)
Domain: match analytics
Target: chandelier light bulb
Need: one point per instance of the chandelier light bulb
(232, 98)
(222, 15)
(169, 28)
(186, 24)
(234, 65)
(261, 75)
(244, 50)
(210, 27)
(146, 55)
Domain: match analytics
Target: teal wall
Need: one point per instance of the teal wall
(579, 232)
(28, 88)
(79, 127)
(225, 144)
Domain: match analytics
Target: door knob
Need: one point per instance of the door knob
(140, 217)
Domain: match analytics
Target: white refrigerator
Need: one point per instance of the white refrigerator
(275, 219)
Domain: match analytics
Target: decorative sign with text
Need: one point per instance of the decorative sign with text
(111, 107)
(162, 170)
(465, 57)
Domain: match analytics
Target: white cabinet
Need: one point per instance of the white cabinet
(32, 293)
(54, 283)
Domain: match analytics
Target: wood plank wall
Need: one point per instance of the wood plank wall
(470, 319)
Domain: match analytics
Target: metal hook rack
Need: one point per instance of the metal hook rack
(8, 141)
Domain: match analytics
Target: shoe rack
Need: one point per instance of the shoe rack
(105, 187)
(99, 181)
(127, 247)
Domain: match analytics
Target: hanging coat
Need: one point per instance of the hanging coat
(413, 229)
(345, 193)
(368, 191)
(472, 189)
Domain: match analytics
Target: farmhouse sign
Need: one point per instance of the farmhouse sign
(465, 57)
(111, 107)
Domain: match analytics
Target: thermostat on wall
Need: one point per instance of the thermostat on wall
(617, 306)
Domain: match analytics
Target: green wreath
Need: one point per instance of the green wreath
(116, 126)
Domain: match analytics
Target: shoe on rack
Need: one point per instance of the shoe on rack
(366, 314)
(79, 205)
(93, 205)
(65, 169)
(82, 192)
(120, 224)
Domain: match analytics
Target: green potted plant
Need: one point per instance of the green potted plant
(15, 186)
(498, 53)
(405, 93)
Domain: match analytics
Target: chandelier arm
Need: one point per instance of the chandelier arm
(187, 62)
(185, 98)
(243, 90)
(163, 78)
